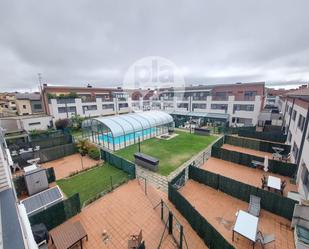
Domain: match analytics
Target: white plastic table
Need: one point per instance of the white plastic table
(246, 225)
(30, 168)
(34, 160)
(274, 182)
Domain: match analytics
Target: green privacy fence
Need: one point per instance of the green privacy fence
(271, 202)
(45, 155)
(273, 136)
(235, 130)
(256, 144)
(142, 245)
(211, 237)
(274, 166)
(119, 163)
(58, 213)
(40, 135)
(52, 141)
(219, 143)
(20, 185)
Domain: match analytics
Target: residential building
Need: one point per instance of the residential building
(7, 105)
(295, 108)
(28, 103)
(63, 102)
(15, 227)
(26, 123)
(241, 101)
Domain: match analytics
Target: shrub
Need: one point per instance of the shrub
(83, 146)
(94, 153)
(61, 124)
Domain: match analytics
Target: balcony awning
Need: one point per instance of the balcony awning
(221, 116)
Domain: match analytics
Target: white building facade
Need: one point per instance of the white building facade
(295, 110)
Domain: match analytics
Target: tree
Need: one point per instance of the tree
(76, 121)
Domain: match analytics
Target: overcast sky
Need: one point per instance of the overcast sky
(79, 42)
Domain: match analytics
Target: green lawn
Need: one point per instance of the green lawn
(90, 183)
(171, 153)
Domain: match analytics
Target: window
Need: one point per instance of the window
(249, 108)
(301, 122)
(36, 123)
(37, 106)
(123, 105)
(199, 106)
(108, 106)
(294, 115)
(289, 136)
(250, 95)
(219, 106)
(295, 150)
(305, 178)
(24, 107)
(68, 109)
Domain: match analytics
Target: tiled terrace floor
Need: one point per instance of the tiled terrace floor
(65, 166)
(124, 212)
(219, 209)
(247, 151)
(243, 174)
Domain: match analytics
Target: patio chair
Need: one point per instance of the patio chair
(264, 239)
(135, 240)
(264, 182)
(254, 205)
(286, 157)
(283, 185)
(15, 166)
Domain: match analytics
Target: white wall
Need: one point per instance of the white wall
(296, 137)
(36, 123)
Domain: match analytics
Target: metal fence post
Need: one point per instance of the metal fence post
(162, 210)
(145, 186)
(111, 182)
(170, 222)
(181, 237)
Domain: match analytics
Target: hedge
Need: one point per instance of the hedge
(271, 202)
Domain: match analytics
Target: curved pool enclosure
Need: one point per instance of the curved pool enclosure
(120, 131)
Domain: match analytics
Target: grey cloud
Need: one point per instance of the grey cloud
(76, 42)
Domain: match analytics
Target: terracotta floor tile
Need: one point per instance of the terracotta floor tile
(65, 166)
(243, 173)
(219, 209)
(247, 151)
(125, 211)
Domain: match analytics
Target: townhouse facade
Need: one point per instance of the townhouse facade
(242, 102)
(295, 108)
(65, 102)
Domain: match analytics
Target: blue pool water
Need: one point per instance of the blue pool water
(107, 138)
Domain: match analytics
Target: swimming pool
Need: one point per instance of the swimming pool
(108, 137)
